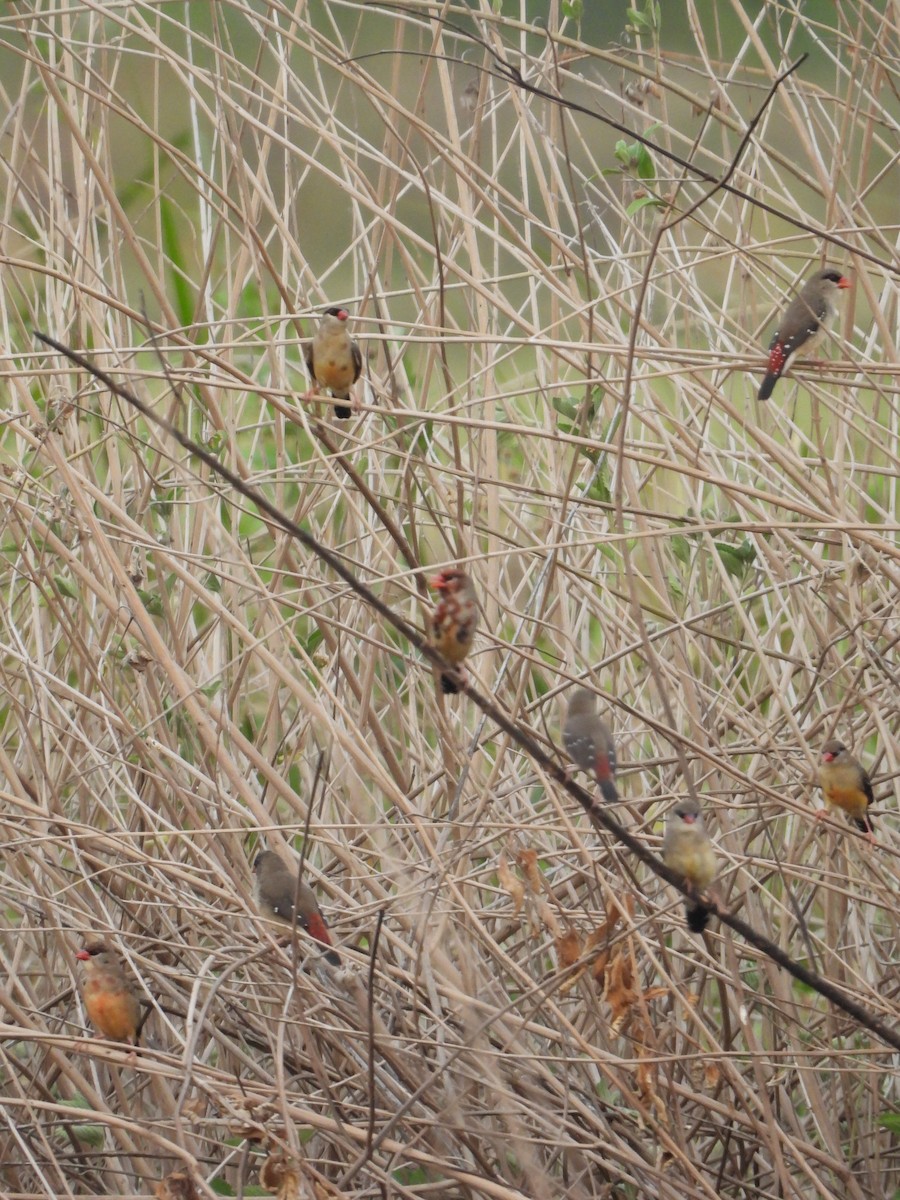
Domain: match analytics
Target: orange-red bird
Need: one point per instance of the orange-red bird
(281, 894)
(589, 742)
(454, 621)
(333, 358)
(845, 784)
(109, 996)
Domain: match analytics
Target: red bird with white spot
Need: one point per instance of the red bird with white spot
(453, 622)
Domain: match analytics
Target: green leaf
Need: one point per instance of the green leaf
(66, 587)
(635, 17)
(681, 548)
(645, 167)
(890, 1121)
(171, 224)
(599, 490)
(623, 153)
(730, 560)
(151, 601)
(636, 205)
(566, 408)
(91, 1133)
(573, 9)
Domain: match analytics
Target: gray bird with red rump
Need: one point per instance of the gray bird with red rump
(589, 742)
(282, 895)
(805, 322)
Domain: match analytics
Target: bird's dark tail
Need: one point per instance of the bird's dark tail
(864, 824)
(767, 387)
(449, 686)
(609, 790)
(697, 917)
(343, 413)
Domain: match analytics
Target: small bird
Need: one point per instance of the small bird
(590, 744)
(454, 621)
(804, 323)
(688, 852)
(109, 995)
(279, 893)
(845, 784)
(333, 359)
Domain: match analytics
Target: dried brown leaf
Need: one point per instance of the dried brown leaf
(528, 862)
(600, 965)
(281, 1175)
(568, 949)
(619, 991)
(177, 1186)
(549, 919)
(511, 883)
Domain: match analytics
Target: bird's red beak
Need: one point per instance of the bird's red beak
(83, 955)
(829, 757)
(343, 314)
(689, 818)
(438, 582)
(844, 282)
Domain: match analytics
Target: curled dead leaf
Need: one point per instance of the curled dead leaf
(177, 1186)
(548, 919)
(619, 991)
(280, 1174)
(528, 863)
(568, 949)
(600, 965)
(511, 883)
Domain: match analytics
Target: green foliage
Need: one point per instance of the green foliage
(647, 19)
(636, 159)
(91, 1133)
(638, 163)
(66, 587)
(171, 224)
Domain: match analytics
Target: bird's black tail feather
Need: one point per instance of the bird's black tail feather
(609, 790)
(767, 387)
(343, 413)
(697, 917)
(448, 685)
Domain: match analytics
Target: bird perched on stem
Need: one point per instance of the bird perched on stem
(108, 993)
(688, 852)
(804, 323)
(845, 784)
(281, 895)
(589, 742)
(333, 359)
(453, 622)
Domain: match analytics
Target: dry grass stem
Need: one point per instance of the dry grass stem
(183, 684)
